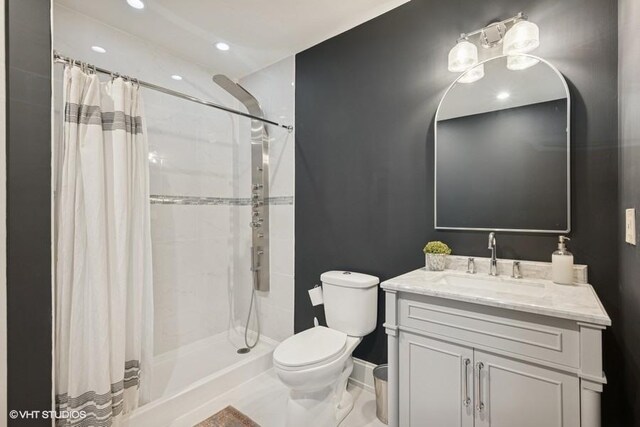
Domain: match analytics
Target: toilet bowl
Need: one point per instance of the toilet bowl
(315, 364)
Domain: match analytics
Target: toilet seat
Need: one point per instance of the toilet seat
(316, 346)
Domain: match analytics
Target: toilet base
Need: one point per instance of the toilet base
(326, 407)
(344, 399)
(345, 406)
(311, 409)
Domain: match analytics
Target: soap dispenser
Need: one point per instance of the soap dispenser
(562, 264)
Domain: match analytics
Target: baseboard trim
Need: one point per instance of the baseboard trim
(362, 375)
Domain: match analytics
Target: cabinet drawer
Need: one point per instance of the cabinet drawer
(540, 337)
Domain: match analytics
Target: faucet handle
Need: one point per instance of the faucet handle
(471, 265)
(516, 272)
(492, 240)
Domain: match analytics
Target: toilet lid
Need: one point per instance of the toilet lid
(309, 347)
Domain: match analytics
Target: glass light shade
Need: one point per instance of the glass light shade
(462, 56)
(523, 37)
(520, 62)
(473, 75)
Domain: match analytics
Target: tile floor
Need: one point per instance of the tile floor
(264, 398)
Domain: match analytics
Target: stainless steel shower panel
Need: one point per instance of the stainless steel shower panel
(259, 182)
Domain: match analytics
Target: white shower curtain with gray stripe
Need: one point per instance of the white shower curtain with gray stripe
(104, 310)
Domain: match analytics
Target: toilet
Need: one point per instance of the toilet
(315, 364)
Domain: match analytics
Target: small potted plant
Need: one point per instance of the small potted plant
(436, 255)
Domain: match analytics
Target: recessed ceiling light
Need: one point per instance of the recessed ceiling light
(176, 77)
(222, 46)
(503, 95)
(136, 4)
(98, 49)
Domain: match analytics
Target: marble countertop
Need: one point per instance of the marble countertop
(577, 302)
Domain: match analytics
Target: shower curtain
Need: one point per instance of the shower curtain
(104, 309)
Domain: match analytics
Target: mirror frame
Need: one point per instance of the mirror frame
(435, 158)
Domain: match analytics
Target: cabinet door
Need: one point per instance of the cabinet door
(512, 393)
(435, 383)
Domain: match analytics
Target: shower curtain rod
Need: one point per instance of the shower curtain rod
(66, 60)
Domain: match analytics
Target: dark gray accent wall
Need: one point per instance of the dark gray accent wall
(365, 103)
(28, 207)
(629, 189)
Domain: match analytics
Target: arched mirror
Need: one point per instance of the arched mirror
(502, 148)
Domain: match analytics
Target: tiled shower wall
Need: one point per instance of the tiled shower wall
(198, 165)
(274, 87)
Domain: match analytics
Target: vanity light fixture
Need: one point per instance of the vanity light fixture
(462, 56)
(98, 49)
(517, 34)
(523, 37)
(222, 46)
(503, 95)
(136, 4)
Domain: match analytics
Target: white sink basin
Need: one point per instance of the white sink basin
(495, 284)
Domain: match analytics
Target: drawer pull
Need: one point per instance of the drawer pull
(480, 404)
(465, 398)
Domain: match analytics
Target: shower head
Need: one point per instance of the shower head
(240, 93)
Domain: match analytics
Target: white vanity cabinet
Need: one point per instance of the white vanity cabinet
(458, 363)
(454, 385)
(511, 392)
(436, 382)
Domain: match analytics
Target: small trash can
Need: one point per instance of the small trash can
(380, 378)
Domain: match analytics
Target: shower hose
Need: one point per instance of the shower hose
(251, 306)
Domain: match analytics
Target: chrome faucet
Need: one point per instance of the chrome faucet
(471, 266)
(493, 266)
(516, 272)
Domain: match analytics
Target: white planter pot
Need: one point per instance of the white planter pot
(435, 262)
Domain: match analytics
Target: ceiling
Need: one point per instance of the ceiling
(260, 32)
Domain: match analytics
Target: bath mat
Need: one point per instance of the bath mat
(228, 417)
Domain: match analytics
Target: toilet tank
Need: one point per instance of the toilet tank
(350, 301)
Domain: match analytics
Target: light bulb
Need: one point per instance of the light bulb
(472, 75)
(136, 4)
(523, 37)
(462, 56)
(520, 62)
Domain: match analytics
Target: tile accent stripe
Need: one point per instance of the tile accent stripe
(159, 199)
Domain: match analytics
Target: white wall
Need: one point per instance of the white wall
(274, 88)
